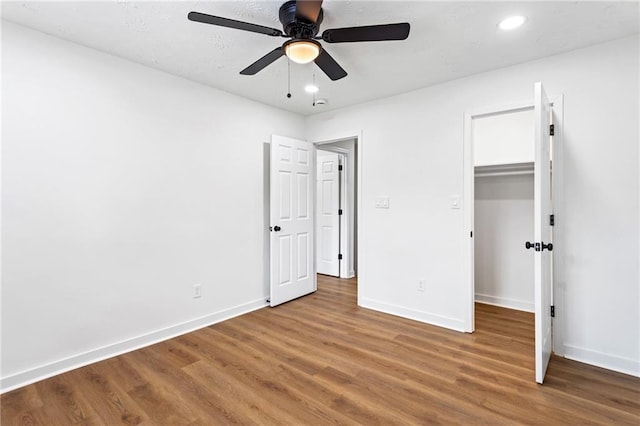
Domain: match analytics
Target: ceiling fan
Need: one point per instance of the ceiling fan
(301, 21)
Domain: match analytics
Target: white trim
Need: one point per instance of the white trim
(601, 359)
(357, 134)
(425, 317)
(468, 190)
(519, 305)
(514, 173)
(502, 109)
(359, 167)
(336, 149)
(557, 290)
(345, 229)
(42, 372)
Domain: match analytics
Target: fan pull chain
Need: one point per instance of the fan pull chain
(314, 83)
(288, 77)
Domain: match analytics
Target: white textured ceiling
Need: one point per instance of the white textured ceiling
(448, 40)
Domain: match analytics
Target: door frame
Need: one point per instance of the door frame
(468, 207)
(341, 136)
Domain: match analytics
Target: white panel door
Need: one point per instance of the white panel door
(292, 209)
(328, 220)
(542, 231)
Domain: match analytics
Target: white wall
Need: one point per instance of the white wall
(503, 138)
(412, 152)
(503, 217)
(122, 188)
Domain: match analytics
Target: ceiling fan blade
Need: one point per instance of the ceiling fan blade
(330, 67)
(369, 33)
(231, 23)
(263, 62)
(308, 9)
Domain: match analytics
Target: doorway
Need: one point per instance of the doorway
(337, 207)
(290, 214)
(547, 273)
(503, 149)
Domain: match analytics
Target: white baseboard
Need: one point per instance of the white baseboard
(426, 317)
(80, 360)
(601, 359)
(519, 305)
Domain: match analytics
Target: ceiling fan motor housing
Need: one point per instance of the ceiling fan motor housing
(301, 22)
(297, 27)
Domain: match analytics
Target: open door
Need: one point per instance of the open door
(542, 231)
(328, 228)
(292, 209)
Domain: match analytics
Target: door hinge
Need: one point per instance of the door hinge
(552, 220)
(340, 212)
(340, 167)
(553, 311)
(471, 234)
(552, 130)
(339, 256)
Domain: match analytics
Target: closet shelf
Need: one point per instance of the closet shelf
(504, 169)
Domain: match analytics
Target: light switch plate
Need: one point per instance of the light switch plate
(455, 201)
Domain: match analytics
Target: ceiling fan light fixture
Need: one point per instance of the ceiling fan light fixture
(302, 51)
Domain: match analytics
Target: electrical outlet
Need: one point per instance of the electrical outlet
(382, 202)
(420, 285)
(197, 291)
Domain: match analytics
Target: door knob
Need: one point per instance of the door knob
(276, 228)
(538, 246)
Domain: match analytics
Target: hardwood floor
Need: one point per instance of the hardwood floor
(322, 360)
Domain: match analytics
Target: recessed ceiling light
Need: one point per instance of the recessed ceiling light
(511, 23)
(310, 88)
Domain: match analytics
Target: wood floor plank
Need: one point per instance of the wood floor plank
(271, 395)
(231, 398)
(322, 360)
(186, 399)
(108, 400)
(65, 402)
